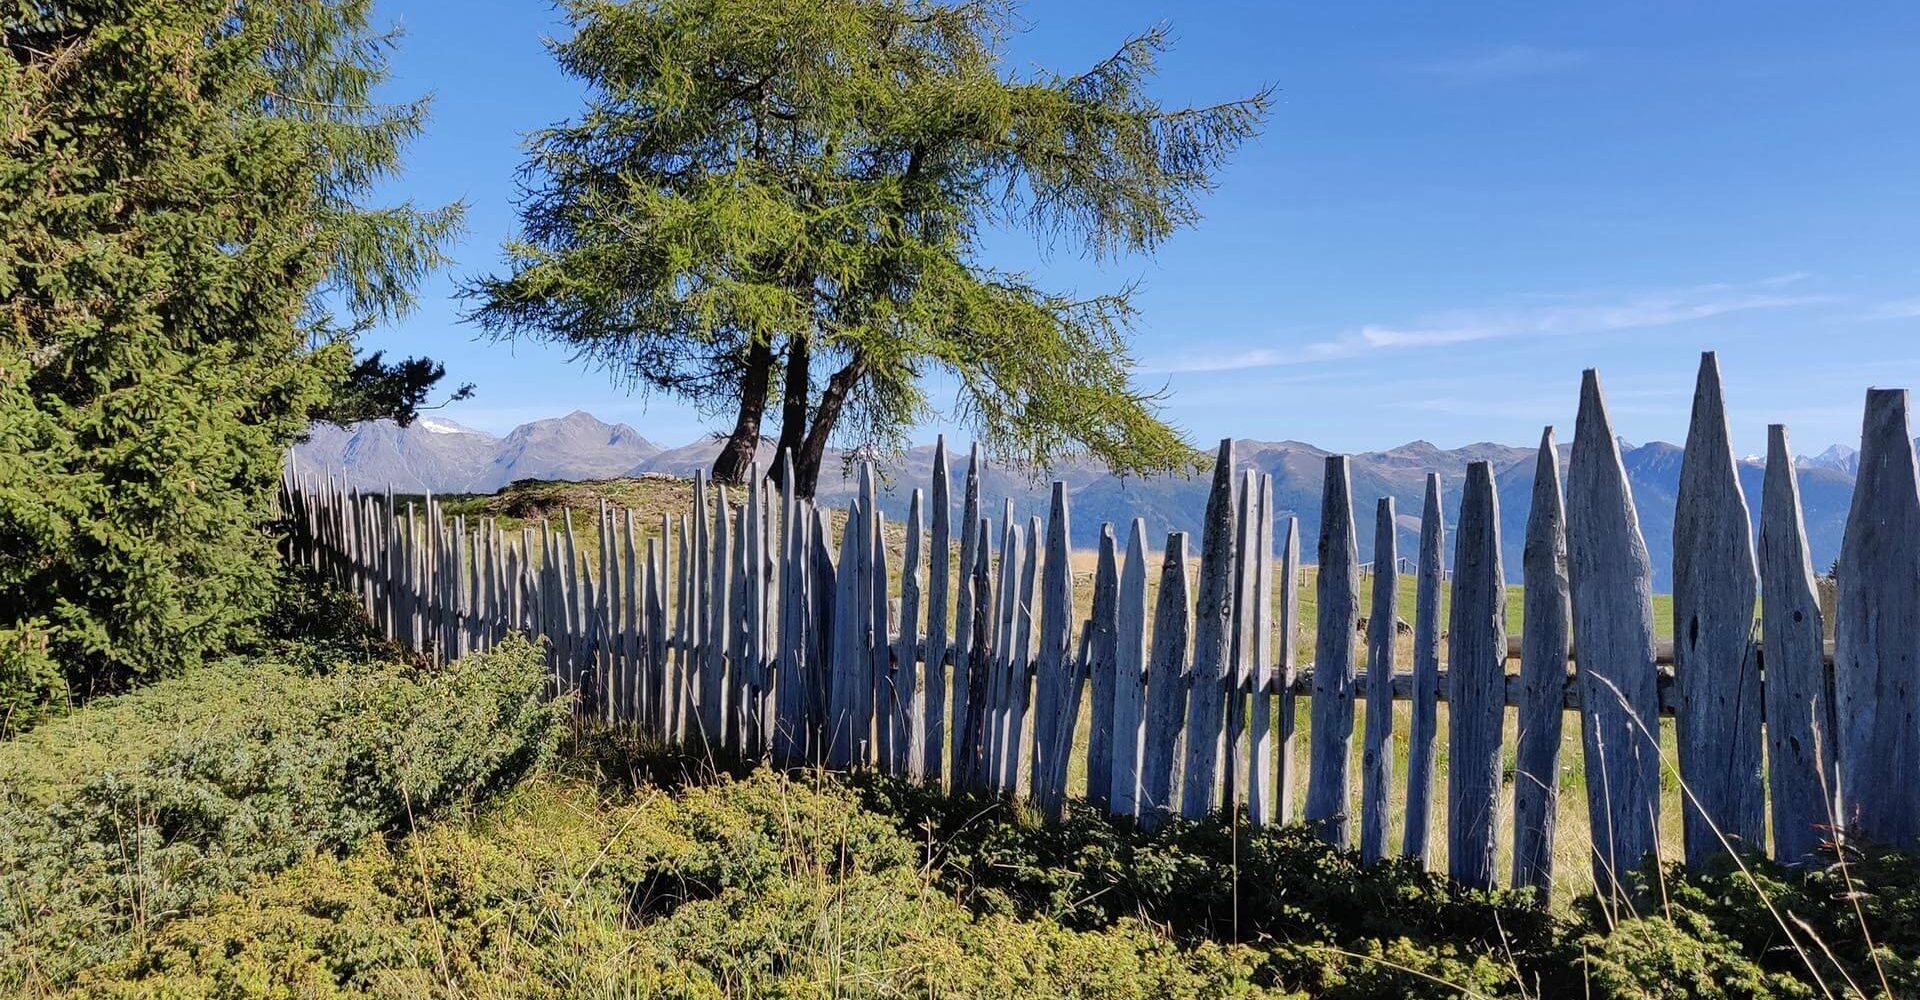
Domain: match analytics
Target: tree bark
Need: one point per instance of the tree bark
(731, 465)
(793, 405)
(806, 463)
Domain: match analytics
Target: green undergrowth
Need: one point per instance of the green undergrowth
(623, 872)
(138, 810)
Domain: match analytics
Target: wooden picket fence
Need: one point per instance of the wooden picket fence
(746, 626)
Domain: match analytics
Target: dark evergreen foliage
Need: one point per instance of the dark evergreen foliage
(187, 258)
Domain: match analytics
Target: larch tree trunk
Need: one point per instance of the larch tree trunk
(731, 465)
(806, 463)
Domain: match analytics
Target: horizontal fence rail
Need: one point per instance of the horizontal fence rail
(764, 626)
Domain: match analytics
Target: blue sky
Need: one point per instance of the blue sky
(1455, 208)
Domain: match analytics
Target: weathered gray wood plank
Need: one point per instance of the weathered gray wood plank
(973, 725)
(889, 710)
(639, 672)
(1129, 673)
(686, 690)
(752, 651)
(701, 670)
(822, 639)
(1246, 557)
(851, 621)
(965, 600)
(1476, 681)
(912, 683)
(1611, 584)
(1543, 678)
(864, 679)
(1056, 672)
(1376, 749)
(1423, 715)
(1007, 591)
(1802, 763)
(933, 717)
(739, 650)
(1260, 735)
(1026, 629)
(1876, 658)
(1212, 645)
(1100, 675)
(1716, 672)
(789, 728)
(1329, 777)
(1286, 672)
(1166, 685)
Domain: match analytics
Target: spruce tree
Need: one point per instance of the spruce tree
(782, 202)
(187, 255)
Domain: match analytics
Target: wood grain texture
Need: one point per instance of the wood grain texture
(823, 592)
(1246, 556)
(1018, 762)
(1611, 584)
(1716, 670)
(1000, 690)
(1376, 749)
(1876, 660)
(1260, 722)
(1286, 673)
(966, 600)
(1097, 636)
(1329, 775)
(705, 720)
(852, 591)
(1476, 675)
(1100, 673)
(933, 720)
(1166, 685)
(972, 729)
(1212, 646)
(909, 679)
(1802, 768)
(789, 726)
(1543, 677)
(1129, 675)
(1055, 669)
(1416, 837)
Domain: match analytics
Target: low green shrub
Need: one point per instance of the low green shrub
(1199, 879)
(139, 809)
(809, 885)
(759, 887)
(1850, 926)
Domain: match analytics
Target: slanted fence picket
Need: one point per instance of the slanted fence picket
(748, 624)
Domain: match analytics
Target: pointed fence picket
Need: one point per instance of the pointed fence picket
(745, 624)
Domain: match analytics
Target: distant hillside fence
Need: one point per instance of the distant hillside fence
(753, 629)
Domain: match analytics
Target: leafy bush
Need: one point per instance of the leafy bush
(139, 809)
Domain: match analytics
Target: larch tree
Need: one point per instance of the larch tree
(782, 203)
(189, 252)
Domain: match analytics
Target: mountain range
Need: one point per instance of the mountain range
(445, 457)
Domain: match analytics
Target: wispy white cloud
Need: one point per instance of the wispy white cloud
(1903, 309)
(1508, 63)
(1560, 318)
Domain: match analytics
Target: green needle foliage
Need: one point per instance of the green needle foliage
(784, 201)
(187, 258)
